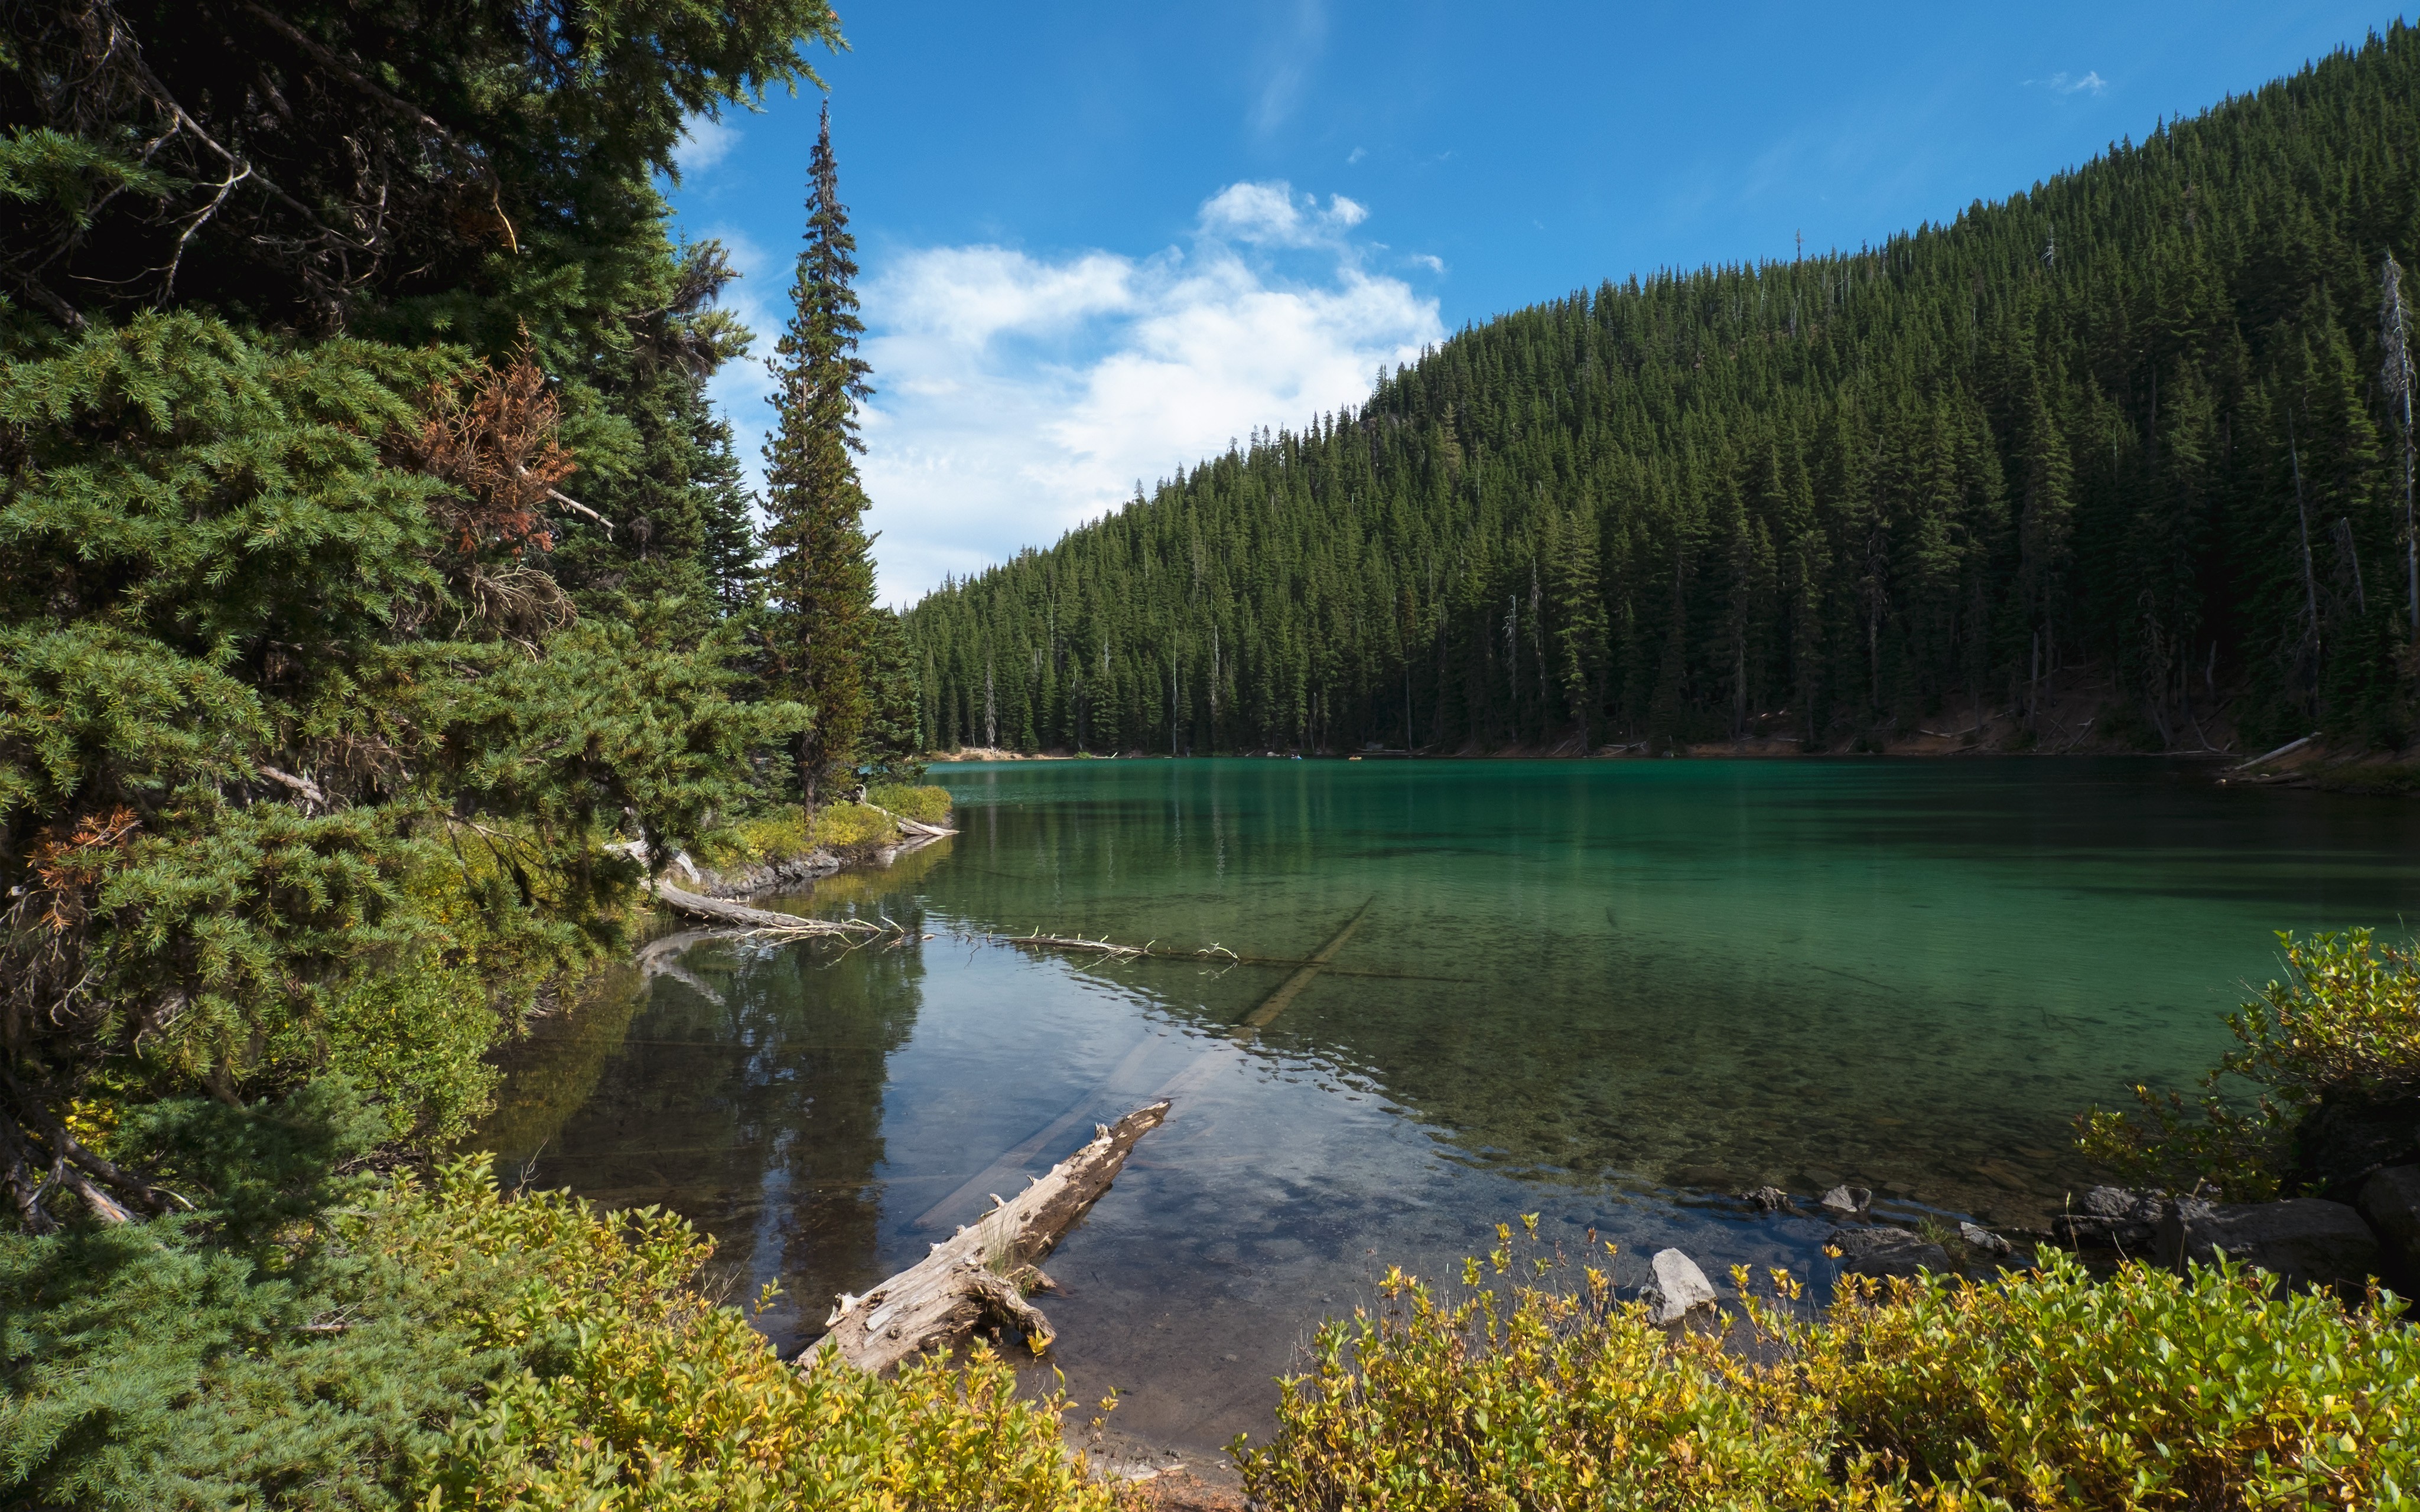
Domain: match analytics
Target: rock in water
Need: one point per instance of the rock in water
(1886, 1252)
(1680, 1286)
(1850, 1200)
(2345, 1138)
(1979, 1237)
(2390, 1200)
(2112, 1216)
(2306, 1241)
(1767, 1198)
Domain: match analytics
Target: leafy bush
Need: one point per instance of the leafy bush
(1543, 1397)
(926, 805)
(846, 827)
(2345, 1020)
(2042, 1390)
(314, 1342)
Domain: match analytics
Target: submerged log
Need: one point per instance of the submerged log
(1271, 1006)
(984, 1269)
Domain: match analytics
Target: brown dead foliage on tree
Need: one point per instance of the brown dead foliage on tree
(493, 436)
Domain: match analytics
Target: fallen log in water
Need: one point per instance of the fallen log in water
(908, 826)
(982, 1269)
(764, 920)
(1271, 1006)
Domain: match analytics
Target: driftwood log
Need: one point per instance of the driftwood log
(984, 1269)
(909, 826)
(764, 920)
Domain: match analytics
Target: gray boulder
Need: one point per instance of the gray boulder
(2306, 1241)
(2390, 1200)
(1849, 1201)
(1680, 1288)
(1888, 1252)
(2111, 1217)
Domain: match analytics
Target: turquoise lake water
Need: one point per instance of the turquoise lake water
(1609, 992)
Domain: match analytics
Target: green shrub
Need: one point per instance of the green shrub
(783, 833)
(2042, 1390)
(2345, 1020)
(926, 805)
(775, 835)
(316, 1343)
(1541, 1397)
(851, 826)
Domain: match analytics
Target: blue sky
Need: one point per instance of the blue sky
(1099, 241)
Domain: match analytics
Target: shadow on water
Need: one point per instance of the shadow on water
(1603, 992)
(735, 1081)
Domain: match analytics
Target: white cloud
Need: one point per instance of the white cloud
(1356, 156)
(1021, 395)
(2068, 84)
(704, 143)
(1285, 59)
(1268, 214)
(1430, 261)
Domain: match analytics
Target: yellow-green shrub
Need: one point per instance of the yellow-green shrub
(785, 833)
(2345, 1019)
(843, 826)
(775, 835)
(2035, 1391)
(1535, 1398)
(926, 805)
(637, 1392)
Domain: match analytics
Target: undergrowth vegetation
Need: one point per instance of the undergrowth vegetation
(359, 1342)
(2344, 1022)
(2145, 1391)
(784, 832)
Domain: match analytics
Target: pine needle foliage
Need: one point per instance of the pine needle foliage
(2095, 429)
(820, 578)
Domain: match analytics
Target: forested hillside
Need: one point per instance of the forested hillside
(2135, 420)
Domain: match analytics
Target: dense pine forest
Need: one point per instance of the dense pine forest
(2138, 421)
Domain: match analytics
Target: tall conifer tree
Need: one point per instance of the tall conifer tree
(822, 577)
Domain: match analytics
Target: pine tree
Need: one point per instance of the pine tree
(821, 578)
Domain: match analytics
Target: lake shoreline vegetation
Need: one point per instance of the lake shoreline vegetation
(380, 606)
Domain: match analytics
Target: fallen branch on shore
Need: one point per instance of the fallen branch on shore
(984, 1270)
(2288, 746)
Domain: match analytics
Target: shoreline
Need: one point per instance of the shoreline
(2315, 767)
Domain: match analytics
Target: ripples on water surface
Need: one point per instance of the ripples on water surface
(1608, 992)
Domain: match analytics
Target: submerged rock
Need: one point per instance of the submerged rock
(1888, 1252)
(1680, 1288)
(1767, 1198)
(1850, 1200)
(2390, 1200)
(1979, 1237)
(2306, 1241)
(2113, 1217)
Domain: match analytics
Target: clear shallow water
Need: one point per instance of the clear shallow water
(1606, 993)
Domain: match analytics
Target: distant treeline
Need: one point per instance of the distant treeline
(2135, 418)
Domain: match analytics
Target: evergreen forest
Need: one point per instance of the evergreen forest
(2146, 422)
